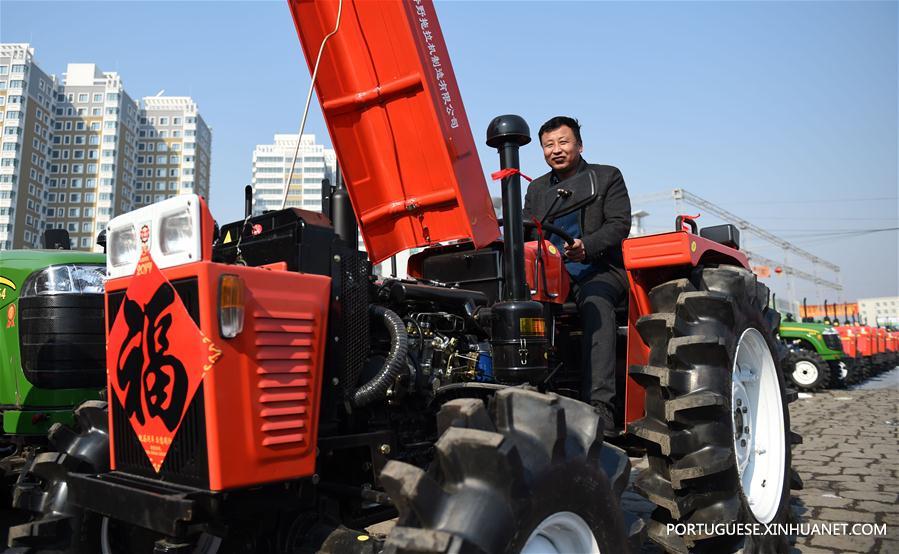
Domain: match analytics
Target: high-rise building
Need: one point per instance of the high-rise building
(173, 150)
(27, 96)
(272, 166)
(75, 150)
(94, 147)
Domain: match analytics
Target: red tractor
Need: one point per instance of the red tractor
(854, 361)
(881, 358)
(892, 347)
(856, 365)
(267, 393)
(867, 349)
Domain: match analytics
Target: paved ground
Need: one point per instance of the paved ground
(849, 462)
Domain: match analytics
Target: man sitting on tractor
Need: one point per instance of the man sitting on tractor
(594, 261)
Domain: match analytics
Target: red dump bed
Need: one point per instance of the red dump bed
(396, 118)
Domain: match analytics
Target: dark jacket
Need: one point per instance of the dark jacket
(605, 219)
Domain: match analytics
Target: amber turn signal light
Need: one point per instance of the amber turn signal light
(231, 306)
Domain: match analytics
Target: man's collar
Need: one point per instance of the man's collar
(554, 178)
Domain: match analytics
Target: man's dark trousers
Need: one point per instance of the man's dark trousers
(596, 297)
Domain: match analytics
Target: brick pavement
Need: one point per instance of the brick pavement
(849, 462)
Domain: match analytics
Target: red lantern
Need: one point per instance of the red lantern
(778, 270)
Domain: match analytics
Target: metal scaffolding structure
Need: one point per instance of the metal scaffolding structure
(683, 197)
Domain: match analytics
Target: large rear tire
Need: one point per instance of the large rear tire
(42, 489)
(529, 475)
(717, 427)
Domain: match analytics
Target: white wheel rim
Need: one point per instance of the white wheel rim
(805, 372)
(758, 425)
(561, 533)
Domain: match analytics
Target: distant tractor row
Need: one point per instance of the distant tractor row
(828, 354)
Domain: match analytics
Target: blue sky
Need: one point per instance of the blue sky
(783, 113)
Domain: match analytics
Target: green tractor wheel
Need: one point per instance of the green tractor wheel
(56, 525)
(807, 371)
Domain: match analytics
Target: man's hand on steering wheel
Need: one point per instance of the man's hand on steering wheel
(575, 252)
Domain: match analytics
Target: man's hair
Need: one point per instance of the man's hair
(559, 121)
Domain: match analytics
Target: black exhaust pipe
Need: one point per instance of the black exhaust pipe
(342, 216)
(508, 133)
(518, 329)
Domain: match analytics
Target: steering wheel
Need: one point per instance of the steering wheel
(549, 229)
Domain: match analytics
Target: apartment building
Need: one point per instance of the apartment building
(77, 151)
(27, 96)
(272, 166)
(93, 158)
(174, 149)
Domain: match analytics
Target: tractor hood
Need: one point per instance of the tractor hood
(808, 328)
(397, 122)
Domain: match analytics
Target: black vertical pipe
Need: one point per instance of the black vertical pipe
(508, 133)
(342, 216)
(247, 201)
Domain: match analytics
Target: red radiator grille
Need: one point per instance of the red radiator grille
(284, 357)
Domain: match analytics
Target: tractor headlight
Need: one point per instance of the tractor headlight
(177, 232)
(830, 331)
(65, 279)
(122, 246)
(169, 231)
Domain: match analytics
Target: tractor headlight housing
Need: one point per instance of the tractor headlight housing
(169, 231)
(176, 232)
(65, 279)
(122, 246)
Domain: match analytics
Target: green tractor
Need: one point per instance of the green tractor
(816, 359)
(52, 353)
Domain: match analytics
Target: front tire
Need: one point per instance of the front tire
(42, 489)
(807, 371)
(531, 473)
(717, 427)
